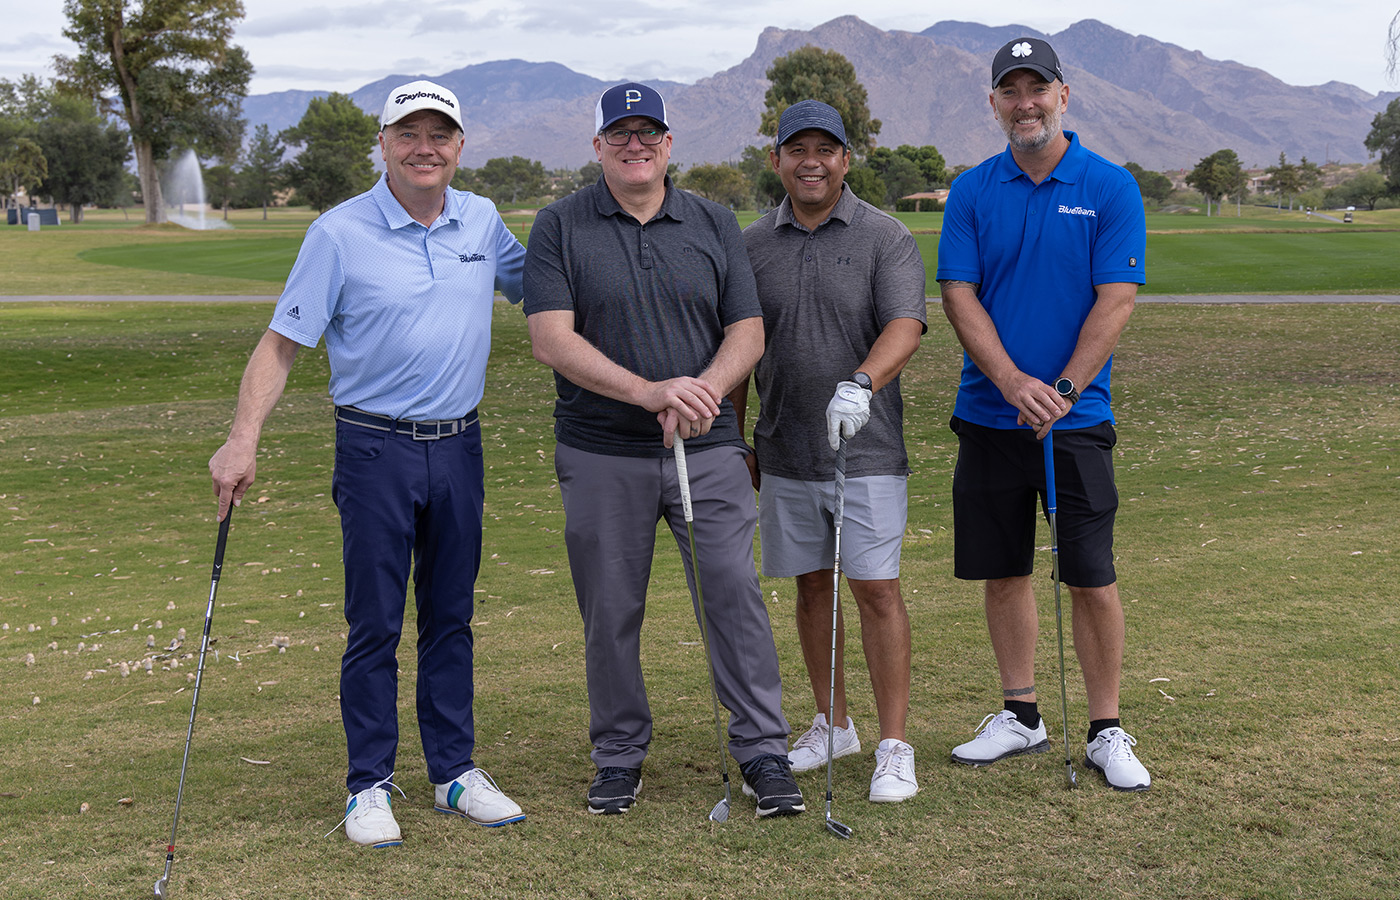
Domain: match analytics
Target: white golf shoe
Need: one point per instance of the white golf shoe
(369, 817)
(1001, 735)
(474, 796)
(894, 779)
(809, 751)
(1112, 754)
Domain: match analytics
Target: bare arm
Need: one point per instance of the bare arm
(738, 353)
(892, 350)
(234, 465)
(1037, 403)
(1099, 336)
(556, 344)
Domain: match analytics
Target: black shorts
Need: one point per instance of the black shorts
(1000, 473)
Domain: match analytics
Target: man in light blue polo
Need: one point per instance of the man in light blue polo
(1039, 262)
(400, 281)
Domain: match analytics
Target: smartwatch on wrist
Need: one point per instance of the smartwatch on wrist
(1065, 388)
(864, 381)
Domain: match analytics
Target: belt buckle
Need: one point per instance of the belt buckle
(437, 431)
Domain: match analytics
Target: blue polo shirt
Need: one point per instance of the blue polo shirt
(405, 308)
(1037, 252)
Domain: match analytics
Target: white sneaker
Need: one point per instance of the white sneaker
(894, 779)
(809, 751)
(474, 795)
(369, 817)
(1112, 754)
(1002, 736)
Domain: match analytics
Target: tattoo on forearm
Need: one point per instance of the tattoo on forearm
(1018, 692)
(953, 282)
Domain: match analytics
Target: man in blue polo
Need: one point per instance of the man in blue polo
(641, 298)
(400, 281)
(1039, 261)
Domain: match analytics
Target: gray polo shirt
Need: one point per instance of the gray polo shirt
(827, 295)
(655, 298)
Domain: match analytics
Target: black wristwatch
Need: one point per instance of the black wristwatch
(1065, 388)
(864, 381)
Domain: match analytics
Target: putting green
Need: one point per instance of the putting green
(257, 259)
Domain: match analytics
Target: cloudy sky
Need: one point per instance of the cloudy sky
(343, 44)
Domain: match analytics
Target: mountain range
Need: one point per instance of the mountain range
(1132, 98)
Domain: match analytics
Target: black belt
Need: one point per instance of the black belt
(421, 431)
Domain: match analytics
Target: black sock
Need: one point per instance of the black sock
(1026, 713)
(1098, 725)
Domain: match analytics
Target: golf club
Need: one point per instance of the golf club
(721, 811)
(833, 826)
(163, 883)
(1049, 447)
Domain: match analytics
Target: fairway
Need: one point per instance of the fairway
(1258, 480)
(1265, 252)
(258, 259)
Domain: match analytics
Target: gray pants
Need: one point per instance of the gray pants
(611, 507)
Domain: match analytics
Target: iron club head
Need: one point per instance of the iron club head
(160, 889)
(721, 811)
(838, 829)
(1070, 776)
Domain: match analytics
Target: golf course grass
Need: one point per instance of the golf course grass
(1258, 476)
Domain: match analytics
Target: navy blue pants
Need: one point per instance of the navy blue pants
(408, 505)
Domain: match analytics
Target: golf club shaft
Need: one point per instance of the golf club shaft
(198, 679)
(683, 478)
(1050, 504)
(838, 516)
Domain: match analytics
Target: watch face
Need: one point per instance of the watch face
(1064, 387)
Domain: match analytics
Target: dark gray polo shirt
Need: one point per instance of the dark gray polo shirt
(827, 295)
(655, 298)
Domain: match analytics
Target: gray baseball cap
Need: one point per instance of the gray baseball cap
(807, 114)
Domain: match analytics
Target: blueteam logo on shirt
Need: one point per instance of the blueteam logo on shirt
(294, 313)
(1078, 211)
(474, 257)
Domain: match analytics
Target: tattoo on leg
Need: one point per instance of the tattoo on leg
(1017, 692)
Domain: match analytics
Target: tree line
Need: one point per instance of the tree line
(168, 72)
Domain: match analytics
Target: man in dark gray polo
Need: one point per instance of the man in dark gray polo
(641, 299)
(842, 289)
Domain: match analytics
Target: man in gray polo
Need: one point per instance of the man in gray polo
(842, 289)
(641, 299)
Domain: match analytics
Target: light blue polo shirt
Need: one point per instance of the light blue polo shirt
(1038, 251)
(405, 309)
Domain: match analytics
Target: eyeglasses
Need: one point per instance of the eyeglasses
(620, 137)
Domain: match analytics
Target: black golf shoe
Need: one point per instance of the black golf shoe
(768, 779)
(614, 790)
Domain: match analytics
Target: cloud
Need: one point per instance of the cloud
(331, 18)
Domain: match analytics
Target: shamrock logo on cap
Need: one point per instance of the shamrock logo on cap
(1021, 49)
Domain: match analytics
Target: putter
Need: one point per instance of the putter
(833, 826)
(163, 883)
(721, 811)
(1049, 448)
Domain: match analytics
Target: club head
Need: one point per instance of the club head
(160, 888)
(721, 811)
(1070, 777)
(838, 829)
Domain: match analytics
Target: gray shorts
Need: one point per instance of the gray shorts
(797, 533)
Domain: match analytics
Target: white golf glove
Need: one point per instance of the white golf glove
(847, 412)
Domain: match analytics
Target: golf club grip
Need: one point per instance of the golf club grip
(840, 482)
(219, 547)
(682, 476)
(1049, 448)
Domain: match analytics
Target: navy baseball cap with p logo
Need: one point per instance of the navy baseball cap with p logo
(631, 99)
